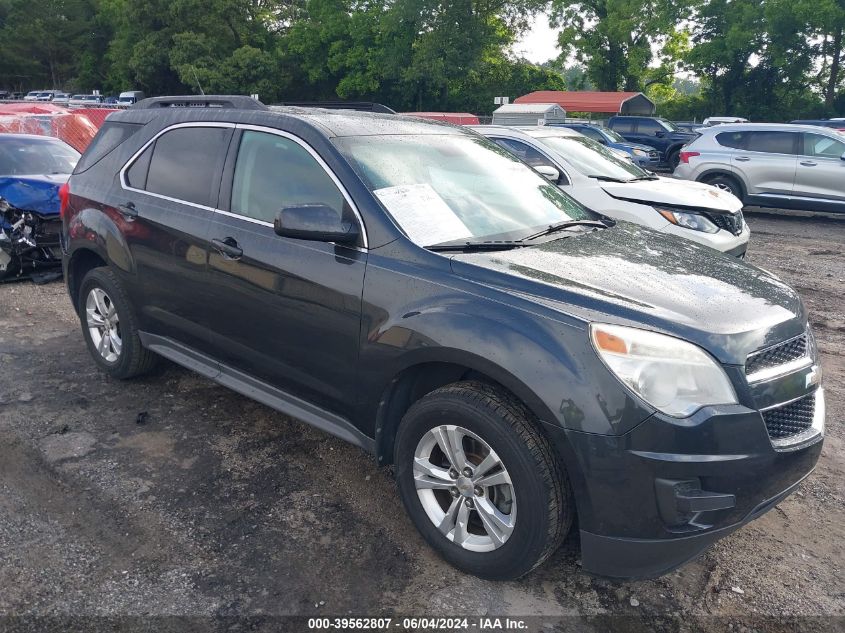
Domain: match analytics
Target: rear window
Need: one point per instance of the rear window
(185, 163)
(111, 134)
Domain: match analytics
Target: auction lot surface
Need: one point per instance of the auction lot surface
(216, 506)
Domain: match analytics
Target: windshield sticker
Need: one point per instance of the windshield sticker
(422, 214)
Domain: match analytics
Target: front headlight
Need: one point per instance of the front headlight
(687, 219)
(674, 376)
(640, 152)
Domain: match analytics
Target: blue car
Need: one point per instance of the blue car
(32, 171)
(643, 155)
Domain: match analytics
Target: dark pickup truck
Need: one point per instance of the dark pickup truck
(660, 134)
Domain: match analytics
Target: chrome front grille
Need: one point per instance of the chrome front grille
(790, 419)
(778, 358)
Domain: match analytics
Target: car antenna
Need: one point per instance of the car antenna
(193, 70)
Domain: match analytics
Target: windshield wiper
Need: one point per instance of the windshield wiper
(607, 178)
(644, 178)
(560, 226)
(477, 246)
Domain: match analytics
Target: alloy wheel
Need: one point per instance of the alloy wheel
(103, 324)
(464, 488)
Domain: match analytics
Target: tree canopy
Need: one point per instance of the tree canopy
(765, 59)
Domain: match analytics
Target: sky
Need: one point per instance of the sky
(539, 44)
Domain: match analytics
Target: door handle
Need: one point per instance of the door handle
(128, 210)
(742, 159)
(808, 163)
(228, 247)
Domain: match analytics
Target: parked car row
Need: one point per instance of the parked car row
(416, 289)
(57, 97)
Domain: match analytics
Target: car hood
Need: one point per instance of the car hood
(631, 275)
(671, 191)
(647, 148)
(33, 193)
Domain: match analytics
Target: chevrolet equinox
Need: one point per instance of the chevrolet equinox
(416, 290)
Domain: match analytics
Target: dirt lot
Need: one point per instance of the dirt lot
(218, 508)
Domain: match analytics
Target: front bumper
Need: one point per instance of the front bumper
(654, 498)
(722, 241)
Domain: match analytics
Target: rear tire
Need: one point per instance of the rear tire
(110, 326)
(484, 535)
(673, 159)
(726, 183)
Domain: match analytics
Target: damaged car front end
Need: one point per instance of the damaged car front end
(31, 175)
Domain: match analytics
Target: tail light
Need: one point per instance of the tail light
(64, 197)
(685, 156)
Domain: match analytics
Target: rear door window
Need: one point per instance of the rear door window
(186, 164)
(623, 126)
(772, 142)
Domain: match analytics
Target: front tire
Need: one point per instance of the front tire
(110, 327)
(481, 482)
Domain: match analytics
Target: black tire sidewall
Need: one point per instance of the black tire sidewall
(728, 181)
(528, 541)
(103, 278)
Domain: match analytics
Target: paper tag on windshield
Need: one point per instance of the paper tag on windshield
(422, 214)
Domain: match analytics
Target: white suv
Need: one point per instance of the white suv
(771, 165)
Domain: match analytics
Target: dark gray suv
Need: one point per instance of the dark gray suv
(416, 290)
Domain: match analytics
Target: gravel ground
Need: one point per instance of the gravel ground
(214, 508)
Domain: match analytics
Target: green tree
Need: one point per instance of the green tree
(614, 39)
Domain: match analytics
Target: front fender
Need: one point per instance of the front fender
(549, 364)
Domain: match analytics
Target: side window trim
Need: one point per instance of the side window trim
(320, 162)
(124, 184)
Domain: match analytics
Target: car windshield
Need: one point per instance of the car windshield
(593, 159)
(442, 188)
(669, 125)
(30, 157)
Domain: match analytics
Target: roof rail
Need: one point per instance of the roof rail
(363, 106)
(236, 102)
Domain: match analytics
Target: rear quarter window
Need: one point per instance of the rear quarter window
(111, 134)
(735, 140)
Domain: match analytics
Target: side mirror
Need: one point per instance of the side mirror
(549, 172)
(660, 134)
(315, 222)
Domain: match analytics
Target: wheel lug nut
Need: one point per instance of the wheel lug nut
(478, 491)
(468, 503)
(467, 472)
(455, 492)
(453, 473)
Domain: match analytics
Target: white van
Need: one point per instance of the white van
(129, 97)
